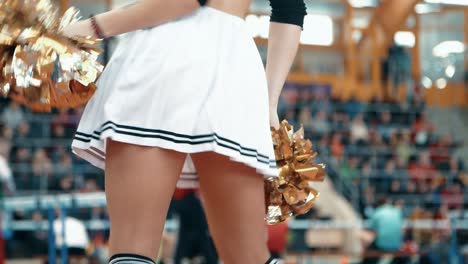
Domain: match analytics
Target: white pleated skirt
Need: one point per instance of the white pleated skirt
(193, 85)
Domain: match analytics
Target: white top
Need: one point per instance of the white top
(75, 233)
(359, 131)
(5, 174)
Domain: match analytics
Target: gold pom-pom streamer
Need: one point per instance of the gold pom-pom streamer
(38, 66)
(291, 193)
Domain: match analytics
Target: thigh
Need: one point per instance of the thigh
(232, 194)
(140, 182)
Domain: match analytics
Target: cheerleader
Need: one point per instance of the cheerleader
(187, 81)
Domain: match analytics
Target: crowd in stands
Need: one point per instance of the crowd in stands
(381, 147)
(35, 158)
(385, 149)
(370, 149)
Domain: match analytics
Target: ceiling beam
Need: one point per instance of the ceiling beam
(388, 18)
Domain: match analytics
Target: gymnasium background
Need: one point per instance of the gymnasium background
(380, 86)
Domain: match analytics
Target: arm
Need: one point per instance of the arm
(285, 30)
(144, 14)
(283, 43)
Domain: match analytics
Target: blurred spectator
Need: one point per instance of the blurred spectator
(193, 239)
(374, 107)
(368, 201)
(375, 138)
(18, 246)
(349, 169)
(62, 117)
(442, 215)
(403, 148)
(6, 176)
(395, 187)
(90, 186)
(442, 149)
(401, 169)
(366, 174)
(99, 213)
(422, 130)
(75, 116)
(39, 239)
(387, 177)
(42, 170)
(64, 166)
(340, 122)
(453, 169)
(77, 240)
(13, 115)
(283, 106)
(3, 102)
(322, 147)
(435, 243)
(336, 146)
(422, 170)
(410, 187)
(453, 196)
(417, 106)
(305, 118)
(409, 247)
(22, 168)
(58, 131)
(63, 184)
(353, 107)
(387, 224)
(359, 131)
(6, 132)
(320, 124)
(62, 126)
(385, 126)
(303, 100)
(277, 239)
(23, 131)
(291, 117)
(322, 103)
(58, 151)
(393, 141)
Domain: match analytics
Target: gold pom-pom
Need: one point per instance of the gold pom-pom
(38, 66)
(291, 193)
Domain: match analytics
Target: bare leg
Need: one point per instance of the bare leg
(233, 198)
(140, 182)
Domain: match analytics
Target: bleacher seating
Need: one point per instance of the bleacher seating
(371, 149)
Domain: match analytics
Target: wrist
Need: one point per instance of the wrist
(273, 106)
(96, 28)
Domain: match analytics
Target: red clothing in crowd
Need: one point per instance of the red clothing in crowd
(439, 152)
(421, 173)
(179, 194)
(422, 125)
(454, 199)
(277, 237)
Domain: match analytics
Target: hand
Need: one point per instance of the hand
(274, 120)
(82, 29)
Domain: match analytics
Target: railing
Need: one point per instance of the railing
(98, 199)
(343, 186)
(71, 201)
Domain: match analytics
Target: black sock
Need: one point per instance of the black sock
(130, 259)
(273, 260)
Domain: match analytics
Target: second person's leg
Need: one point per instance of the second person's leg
(232, 194)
